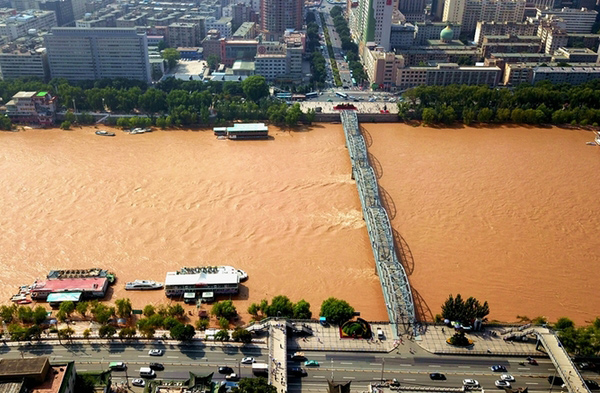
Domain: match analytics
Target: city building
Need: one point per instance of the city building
(553, 36)
(232, 50)
(427, 30)
(413, 10)
(371, 22)
(62, 8)
(575, 20)
(199, 20)
(518, 73)
(32, 107)
(402, 36)
(222, 25)
(569, 75)
(575, 55)
(36, 375)
(240, 13)
(89, 54)
(281, 62)
(211, 44)
(14, 26)
(19, 62)
(276, 16)
(132, 19)
(247, 30)
(183, 34)
(382, 67)
(220, 280)
(510, 44)
(447, 74)
(484, 29)
(469, 12)
(192, 53)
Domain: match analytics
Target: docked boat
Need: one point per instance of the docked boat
(141, 285)
(242, 275)
(18, 298)
(597, 140)
(104, 133)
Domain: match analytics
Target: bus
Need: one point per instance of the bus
(312, 94)
(353, 82)
(340, 94)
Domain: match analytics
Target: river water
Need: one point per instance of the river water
(507, 215)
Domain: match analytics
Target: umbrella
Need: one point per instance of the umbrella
(121, 321)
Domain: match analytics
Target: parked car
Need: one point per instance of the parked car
(156, 352)
(157, 366)
(591, 384)
(138, 382)
(437, 376)
(471, 383)
(225, 370)
(507, 377)
(502, 384)
(380, 333)
(311, 363)
(498, 368)
(247, 360)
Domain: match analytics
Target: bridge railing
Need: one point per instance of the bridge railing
(394, 281)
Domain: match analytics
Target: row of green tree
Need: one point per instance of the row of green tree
(543, 103)
(317, 61)
(582, 341)
(334, 68)
(348, 45)
(334, 310)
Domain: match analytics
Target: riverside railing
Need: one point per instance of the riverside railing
(393, 278)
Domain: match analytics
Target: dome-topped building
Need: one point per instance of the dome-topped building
(447, 34)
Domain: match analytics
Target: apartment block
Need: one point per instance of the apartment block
(484, 29)
(62, 8)
(413, 10)
(276, 16)
(575, 20)
(402, 36)
(89, 54)
(18, 25)
(32, 107)
(381, 66)
(447, 74)
(222, 25)
(247, 30)
(569, 75)
(183, 35)
(20, 62)
(371, 22)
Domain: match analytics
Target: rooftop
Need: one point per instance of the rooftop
(54, 380)
(11, 387)
(71, 284)
(22, 367)
(25, 94)
(224, 275)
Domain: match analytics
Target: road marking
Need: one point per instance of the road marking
(464, 366)
(228, 359)
(348, 377)
(374, 364)
(345, 363)
(115, 356)
(58, 356)
(143, 356)
(406, 365)
(81, 369)
(176, 357)
(409, 379)
(318, 376)
(523, 368)
(434, 365)
(531, 383)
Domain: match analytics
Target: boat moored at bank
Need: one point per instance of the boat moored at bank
(143, 285)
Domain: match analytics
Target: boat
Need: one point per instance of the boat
(242, 275)
(104, 133)
(141, 285)
(24, 301)
(18, 298)
(597, 140)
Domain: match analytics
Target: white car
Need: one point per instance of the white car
(502, 384)
(507, 378)
(248, 360)
(235, 377)
(138, 382)
(472, 383)
(156, 352)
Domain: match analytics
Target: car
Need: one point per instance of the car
(437, 376)
(225, 370)
(380, 333)
(311, 363)
(554, 380)
(471, 383)
(156, 352)
(247, 360)
(591, 384)
(232, 377)
(507, 377)
(138, 382)
(502, 384)
(498, 368)
(157, 366)
(297, 371)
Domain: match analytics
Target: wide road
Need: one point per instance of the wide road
(361, 368)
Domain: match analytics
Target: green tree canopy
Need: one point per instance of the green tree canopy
(336, 310)
(255, 87)
(242, 335)
(171, 56)
(457, 309)
(124, 308)
(254, 385)
(182, 332)
(302, 310)
(224, 309)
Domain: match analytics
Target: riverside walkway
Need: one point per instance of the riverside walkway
(393, 278)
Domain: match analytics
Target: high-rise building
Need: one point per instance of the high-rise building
(454, 11)
(372, 22)
(86, 54)
(469, 12)
(276, 16)
(413, 10)
(63, 10)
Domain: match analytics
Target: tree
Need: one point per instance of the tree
(5, 123)
(66, 333)
(429, 116)
(242, 335)
(148, 310)
(224, 309)
(468, 116)
(223, 323)
(222, 335)
(213, 62)
(176, 310)
(82, 308)
(65, 125)
(162, 45)
(25, 314)
(253, 309)
(302, 310)
(255, 87)
(202, 324)
(254, 385)
(61, 315)
(106, 331)
(67, 307)
(182, 332)
(457, 309)
(485, 115)
(7, 312)
(39, 315)
(281, 306)
(564, 323)
(336, 311)
(171, 56)
(124, 308)
(87, 333)
(293, 115)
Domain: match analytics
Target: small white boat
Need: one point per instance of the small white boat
(104, 133)
(141, 285)
(18, 298)
(591, 143)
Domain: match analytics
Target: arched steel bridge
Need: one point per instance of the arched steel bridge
(393, 278)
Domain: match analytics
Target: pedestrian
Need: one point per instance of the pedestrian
(443, 330)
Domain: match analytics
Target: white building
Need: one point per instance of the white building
(88, 54)
(469, 12)
(575, 20)
(447, 74)
(197, 280)
(371, 21)
(223, 26)
(19, 25)
(29, 63)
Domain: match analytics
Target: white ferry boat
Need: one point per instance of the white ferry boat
(141, 285)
